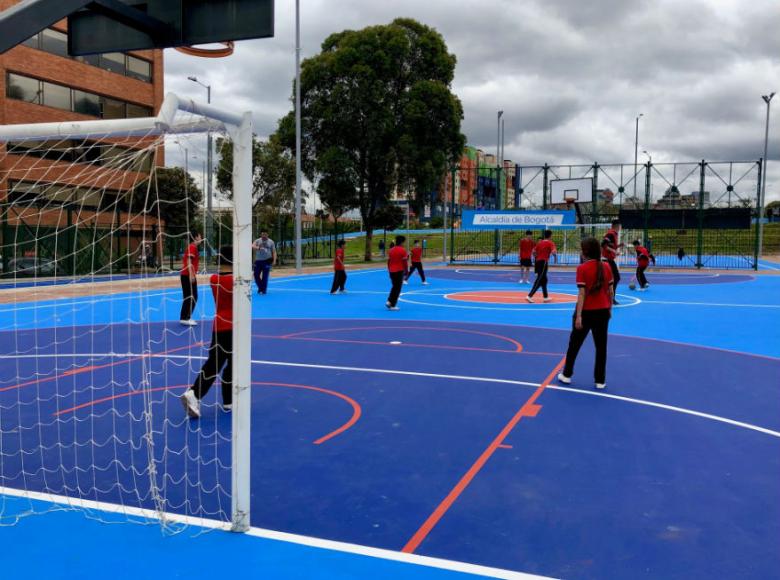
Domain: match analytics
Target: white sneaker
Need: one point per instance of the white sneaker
(393, 308)
(190, 403)
(333, 293)
(406, 281)
(425, 283)
(388, 305)
(529, 299)
(564, 379)
(601, 386)
(342, 291)
(227, 408)
(548, 299)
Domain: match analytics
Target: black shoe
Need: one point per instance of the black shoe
(615, 302)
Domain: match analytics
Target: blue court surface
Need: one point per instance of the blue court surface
(429, 443)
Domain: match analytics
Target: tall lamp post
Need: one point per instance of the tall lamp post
(498, 156)
(762, 201)
(636, 149)
(298, 228)
(209, 168)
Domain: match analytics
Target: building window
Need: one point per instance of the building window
(139, 69)
(137, 111)
(56, 96)
(54, 41)
(113, 62)
(86, 103)
(23, 89)
(112, 109)
(32, 90)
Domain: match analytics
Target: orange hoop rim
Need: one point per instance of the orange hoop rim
(226, 50)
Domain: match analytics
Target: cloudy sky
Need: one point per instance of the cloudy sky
(571, 75)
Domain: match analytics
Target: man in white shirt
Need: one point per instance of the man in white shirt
(265, 257)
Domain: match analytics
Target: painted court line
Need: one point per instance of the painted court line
(525, 411)
(717, 304)
(308, 541)
(673, 408)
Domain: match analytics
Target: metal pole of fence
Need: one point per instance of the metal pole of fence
(545, 184)
(700, 232)
(648, 167)
(756, 251)
(636, 150)
(452, 224)
(762, 199)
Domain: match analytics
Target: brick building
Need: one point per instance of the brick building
(40, 83)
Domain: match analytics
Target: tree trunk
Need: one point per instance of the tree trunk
(369, 242)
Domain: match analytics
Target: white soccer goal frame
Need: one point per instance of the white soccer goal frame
(239, 128)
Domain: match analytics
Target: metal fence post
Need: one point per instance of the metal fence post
(545, 184)
(700, 231)
(757, 244)
(452, 223)
(594, 212)
(648, 168)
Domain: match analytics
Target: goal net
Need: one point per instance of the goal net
(93, 356)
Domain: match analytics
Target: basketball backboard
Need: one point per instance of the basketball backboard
(99, 26)
(571, 190)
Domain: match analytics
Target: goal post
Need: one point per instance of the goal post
(72, 151)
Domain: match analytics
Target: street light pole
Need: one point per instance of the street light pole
(498, 155)
(762, 201)
(502, 205)
(209, 177)
(298, 236)
(636, 149)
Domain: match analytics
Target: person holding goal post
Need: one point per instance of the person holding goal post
(543, 251)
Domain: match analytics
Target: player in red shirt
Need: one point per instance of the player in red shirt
(189, 279)
(396, 265)
(221, 349)
(416, 257)
(610, 246)
(643, 259)
(339, 271)
(544, 249)
(526, 252)
(592, 313)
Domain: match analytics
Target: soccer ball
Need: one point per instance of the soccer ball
(632, 286)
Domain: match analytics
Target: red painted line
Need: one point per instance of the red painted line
(420, 535)
(357, 411)
(88, 368)
(532, 411)
(516, 344)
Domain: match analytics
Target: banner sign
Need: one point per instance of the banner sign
(512, 220)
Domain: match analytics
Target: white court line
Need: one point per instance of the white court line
(712, 304)
(308, 541)
(646, 403)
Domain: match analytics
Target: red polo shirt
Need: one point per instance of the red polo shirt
(396, 259)
(338, 261)
(416, 254)
(527, 246)
(544, 249)
(191, 256)
(642, 256)
(222, 289)
(609, 250)
(586, 278)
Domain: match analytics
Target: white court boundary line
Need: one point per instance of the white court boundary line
(624, 399)
(308, 541)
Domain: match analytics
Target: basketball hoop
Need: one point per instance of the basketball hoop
(226, 50)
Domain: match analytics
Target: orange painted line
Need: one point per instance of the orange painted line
(357, 411)
(422, 533)
(532, 411)
(516, 344)
(88, 368)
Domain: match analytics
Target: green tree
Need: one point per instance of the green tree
(389, 217)
(170, 194)
(338, 183)
(273, 177)
(379, 100)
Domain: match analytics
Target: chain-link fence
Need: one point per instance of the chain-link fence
(693, 214)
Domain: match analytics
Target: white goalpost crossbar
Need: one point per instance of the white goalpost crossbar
(239, 128)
